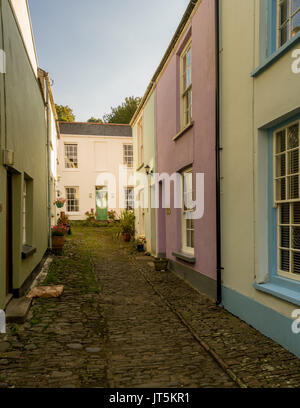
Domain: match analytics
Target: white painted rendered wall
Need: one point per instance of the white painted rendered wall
(96, 155)
(21, 11)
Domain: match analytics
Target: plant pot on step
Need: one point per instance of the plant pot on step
(161, 264)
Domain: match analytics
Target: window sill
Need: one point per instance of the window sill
(182, 132)
(27, 251)
(276, 55)
(291, 295)
(185, 257)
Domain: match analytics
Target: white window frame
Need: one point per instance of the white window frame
(280, 25)
(24, 214)
(185, 248)
(129, 199)
(128, 158)
(67, 198)
(186, 91)
(71, 156)
(288, 174)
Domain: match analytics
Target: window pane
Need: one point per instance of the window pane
(285, 237)
(285, 214)
(281, 189)
(293, 182)
(296, 23)
(293, 137)
(280, 167)
(284, 33)
(296, 5)
(284, 11)
(296, 262)
(293, 159)
(296, 238)
(280, 141)
(285, 260)
(296, 217)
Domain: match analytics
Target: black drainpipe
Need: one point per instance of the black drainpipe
(218, 149)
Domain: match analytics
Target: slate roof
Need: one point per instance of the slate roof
(95, 129)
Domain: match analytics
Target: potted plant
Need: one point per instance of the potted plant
(161, 264)
(111, 215)
(127, 225)
(64, 220)
(60, 202)
(58, 236)
(91, 215)
(141, 240)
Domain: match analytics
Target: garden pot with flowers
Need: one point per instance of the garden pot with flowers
(60, 202)
(140, 242)
(58, 237)
(127, 225)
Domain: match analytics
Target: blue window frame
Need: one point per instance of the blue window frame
(283, 20)
(279, 284)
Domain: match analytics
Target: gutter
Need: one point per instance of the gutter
(218, 159)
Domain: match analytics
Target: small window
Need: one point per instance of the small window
(140, 136)
(287, 199)
(72, 194)
(188, 208)
(129, 198)
(128, 155)
(186, 86)
(71, 156)
(288, 20)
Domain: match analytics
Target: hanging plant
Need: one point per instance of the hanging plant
(60, 202)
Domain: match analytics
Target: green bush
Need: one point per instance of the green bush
(127, 222)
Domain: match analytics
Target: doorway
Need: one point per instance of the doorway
(9, 235)
(101, 203)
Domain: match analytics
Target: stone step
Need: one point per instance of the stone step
(17, 310)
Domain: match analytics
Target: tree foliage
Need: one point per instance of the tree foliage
(95, 120)
(123, 113)
(65, 113)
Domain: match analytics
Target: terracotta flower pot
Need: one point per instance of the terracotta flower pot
(126, 237)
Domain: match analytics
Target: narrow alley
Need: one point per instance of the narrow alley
(121, 324)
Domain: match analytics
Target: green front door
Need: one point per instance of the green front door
(101, 204)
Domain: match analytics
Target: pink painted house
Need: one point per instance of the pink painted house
(184, 88)
(185, 143)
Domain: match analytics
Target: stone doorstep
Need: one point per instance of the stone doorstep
(8, 298)
(17, 310)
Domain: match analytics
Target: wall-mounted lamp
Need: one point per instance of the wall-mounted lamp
(148, 170)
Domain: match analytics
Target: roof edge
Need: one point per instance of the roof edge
(175, 38)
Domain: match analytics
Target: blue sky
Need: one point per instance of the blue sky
(100, 51)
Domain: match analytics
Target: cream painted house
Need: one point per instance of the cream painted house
(95, 169)
(260, 170)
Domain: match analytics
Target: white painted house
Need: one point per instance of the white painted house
(95, 168)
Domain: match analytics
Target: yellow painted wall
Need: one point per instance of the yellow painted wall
(248, 105)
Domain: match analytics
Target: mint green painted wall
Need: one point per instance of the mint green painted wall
(26, 135)
(149, 128)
